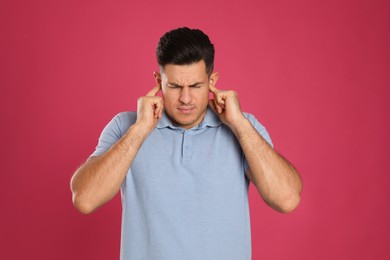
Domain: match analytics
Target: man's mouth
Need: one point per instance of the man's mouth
(186, 109)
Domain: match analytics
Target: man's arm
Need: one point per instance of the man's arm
(99, 178)
(275, 178)
(277, 181)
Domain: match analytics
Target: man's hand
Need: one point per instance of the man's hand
(149, 109)
(227, 107)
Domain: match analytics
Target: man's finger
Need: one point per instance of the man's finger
(212, 89)
(153, 91)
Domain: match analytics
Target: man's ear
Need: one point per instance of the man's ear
(157, 77)
(213, 78)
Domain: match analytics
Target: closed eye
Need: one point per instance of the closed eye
(173, 86)
(196, 86)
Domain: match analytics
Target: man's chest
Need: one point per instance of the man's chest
(192, 160)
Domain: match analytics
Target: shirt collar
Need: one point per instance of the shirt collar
(210, 120)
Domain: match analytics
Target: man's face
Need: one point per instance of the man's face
(185, 91)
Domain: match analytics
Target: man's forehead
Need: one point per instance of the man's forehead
(184, 74)
(198, 65)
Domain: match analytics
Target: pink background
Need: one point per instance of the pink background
(315, 73)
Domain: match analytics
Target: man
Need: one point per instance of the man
(183, 163)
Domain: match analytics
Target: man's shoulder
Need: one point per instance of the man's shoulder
(253, 120)
(123, 120)
(127, 116)
(259, 127)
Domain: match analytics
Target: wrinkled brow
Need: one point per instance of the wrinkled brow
(180, 86)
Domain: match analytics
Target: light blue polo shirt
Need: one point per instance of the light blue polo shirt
(185, 195)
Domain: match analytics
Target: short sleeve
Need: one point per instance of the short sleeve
(261, 130)
(259, 127)
(114, 131)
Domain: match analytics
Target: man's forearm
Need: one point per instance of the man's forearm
(275, 178)
(99, 179)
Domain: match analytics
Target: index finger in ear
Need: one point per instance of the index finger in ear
(153, 91)
(212, 89)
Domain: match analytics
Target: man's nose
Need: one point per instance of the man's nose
(185, 95)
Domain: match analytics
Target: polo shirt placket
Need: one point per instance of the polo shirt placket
(187, 146)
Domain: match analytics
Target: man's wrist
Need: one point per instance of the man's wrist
(134, 137)
(240, 126)
(141, 130)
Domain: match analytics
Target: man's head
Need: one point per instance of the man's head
(186, 60)
(184, 46)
